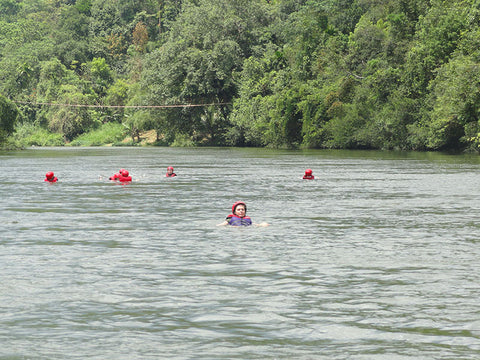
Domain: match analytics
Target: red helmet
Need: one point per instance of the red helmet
(124, 173)
(235, 204)
(170, 168)
(49, 175)
(308, 172)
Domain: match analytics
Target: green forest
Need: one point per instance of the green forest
(334, 74)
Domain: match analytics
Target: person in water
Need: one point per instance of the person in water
(50, 177)
(116, 176)
(239, 217)
(308, 175)
(170, 172)
(124, 176)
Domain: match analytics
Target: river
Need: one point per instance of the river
(377, 258)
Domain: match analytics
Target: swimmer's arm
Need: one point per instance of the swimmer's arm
(226, 222)
(262, 224)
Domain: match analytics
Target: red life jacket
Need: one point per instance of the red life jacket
(51, 180)
(170, 175)
(308, 177)
(125, 178)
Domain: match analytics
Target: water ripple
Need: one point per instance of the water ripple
(376, 259)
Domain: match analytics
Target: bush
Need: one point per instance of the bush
(34, 135)
(183, 140)
(108, 133)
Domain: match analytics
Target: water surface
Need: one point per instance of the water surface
(378, 258)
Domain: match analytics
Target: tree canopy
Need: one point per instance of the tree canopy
(357, 74)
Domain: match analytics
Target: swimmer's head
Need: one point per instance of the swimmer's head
(308, 172)
(234, 206)
(124, 173)
(49, 175)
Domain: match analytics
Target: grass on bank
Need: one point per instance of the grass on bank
(107, 134)
(29, 134)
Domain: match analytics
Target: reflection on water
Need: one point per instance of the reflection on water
(375, 259)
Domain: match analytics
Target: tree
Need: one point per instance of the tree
(71, 36)
(101, 76)
(62, 89)
(8, 117)
(455, 99)
(140, 37)
(198, 62)
(117, 95)
(9, 9)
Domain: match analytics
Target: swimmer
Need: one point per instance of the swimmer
(170, 172)
(116, 176)
(239, 217)
(50, 177)
(124, 176)
(308, 175)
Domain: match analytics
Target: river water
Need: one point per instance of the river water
(378, 258)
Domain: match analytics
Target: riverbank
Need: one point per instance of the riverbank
(109, 134)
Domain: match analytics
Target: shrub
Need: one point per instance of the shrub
(108, 133)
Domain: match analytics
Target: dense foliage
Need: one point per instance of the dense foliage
(371, 74)
(8, 117)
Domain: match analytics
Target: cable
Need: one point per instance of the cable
(122, 106)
